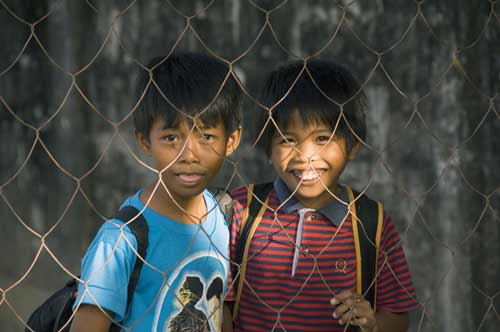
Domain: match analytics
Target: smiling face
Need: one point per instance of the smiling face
(310, 160)
(188, 158)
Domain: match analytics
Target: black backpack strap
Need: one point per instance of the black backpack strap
(257, 194)
(138, 227)
(370, 216)
(66, 309)
(260, 193)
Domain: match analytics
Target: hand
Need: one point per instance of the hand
(353, 309)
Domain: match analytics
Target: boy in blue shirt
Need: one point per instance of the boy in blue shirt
(187, 126)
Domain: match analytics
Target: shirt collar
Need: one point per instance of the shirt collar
(335, 211)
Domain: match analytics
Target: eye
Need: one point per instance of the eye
(169, 138)
(324, 139)
(207, 137)
(288, 141)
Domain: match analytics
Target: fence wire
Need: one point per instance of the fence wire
(420, 104)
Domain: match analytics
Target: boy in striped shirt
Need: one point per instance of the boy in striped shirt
(299, 267)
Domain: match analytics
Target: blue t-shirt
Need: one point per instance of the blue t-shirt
(182, 283)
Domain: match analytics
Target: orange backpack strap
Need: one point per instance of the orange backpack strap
(367, 218)
(257, 202)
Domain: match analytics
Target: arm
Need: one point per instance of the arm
(391, 322)
(227, 323)
(234, 230)
(90, 318)
(396, 295)
(104, 281)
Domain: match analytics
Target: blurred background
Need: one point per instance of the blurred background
(430, 69)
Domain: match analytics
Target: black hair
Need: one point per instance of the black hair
(192, 286)
(190, 81)
(308, 99)
(215, 289)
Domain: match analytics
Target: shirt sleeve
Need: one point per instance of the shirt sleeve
(106, 269)
(239, 203)
(395, 291)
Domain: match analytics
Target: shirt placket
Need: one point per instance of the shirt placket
(298, 238)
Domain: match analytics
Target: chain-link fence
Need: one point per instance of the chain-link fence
(430, 71)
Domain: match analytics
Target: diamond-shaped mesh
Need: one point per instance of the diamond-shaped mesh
(430, 71)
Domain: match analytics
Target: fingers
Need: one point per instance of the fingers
(360, 322)
(347, 297)
(344, 314)
(341, 311)
(352, 308)
(346, 311)
(343, 296)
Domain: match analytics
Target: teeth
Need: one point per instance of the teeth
(307, 175)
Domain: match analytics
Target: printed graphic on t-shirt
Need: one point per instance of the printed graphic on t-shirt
(197, 303)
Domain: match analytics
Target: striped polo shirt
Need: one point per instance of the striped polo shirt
(274, 297)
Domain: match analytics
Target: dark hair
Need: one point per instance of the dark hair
(308, 99)
(215, 289)
(190, 81)
(193, 285)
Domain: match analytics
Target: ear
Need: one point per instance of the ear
(143, 142)
(233, 141)
(354, 151)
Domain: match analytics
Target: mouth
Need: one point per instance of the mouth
(190, 179)
(308, 176)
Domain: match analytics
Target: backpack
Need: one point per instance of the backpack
(366, 237)
(54, 314)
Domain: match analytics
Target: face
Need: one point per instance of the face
(310, 160)
(215, 311)
(188, 158)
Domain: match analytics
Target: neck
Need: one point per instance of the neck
(186, 210)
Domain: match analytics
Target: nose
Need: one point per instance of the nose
(306, 151)
(188, 153)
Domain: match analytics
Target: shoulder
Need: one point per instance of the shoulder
(239, 203)
(386, 229)
(118, 230)
(365, 205)
(111, 229)
(240, 197)
(262, 190)
(240, 194)
(114, 233)
(374, 206)
(375, 218)
(359, 194)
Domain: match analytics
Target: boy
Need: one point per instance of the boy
(301, 259)
(187, 127)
